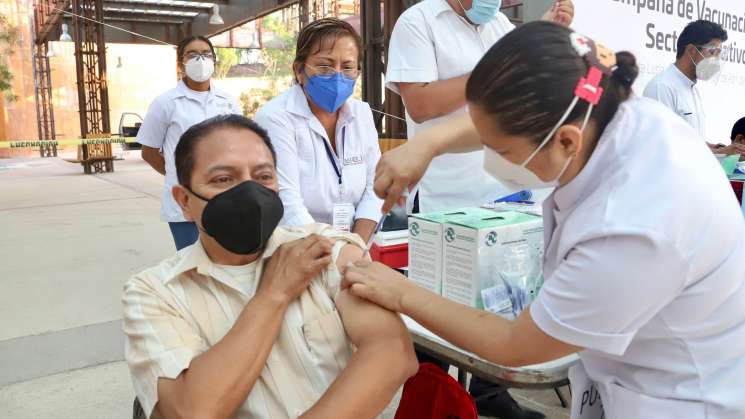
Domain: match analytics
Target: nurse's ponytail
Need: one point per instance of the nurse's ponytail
(626, 71)
(527, 80)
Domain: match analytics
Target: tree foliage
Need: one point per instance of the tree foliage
(279, 60)
(8, 39)
(226, 59)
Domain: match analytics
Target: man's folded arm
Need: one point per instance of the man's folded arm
(218, 381)
(383, 361)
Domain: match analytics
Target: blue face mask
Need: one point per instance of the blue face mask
(329, 93)
(482, 11)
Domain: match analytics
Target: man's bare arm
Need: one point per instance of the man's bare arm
(384, 359)
(154, 158)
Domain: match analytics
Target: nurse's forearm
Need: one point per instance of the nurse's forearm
(509, 343)
(457, 135)
(427, 101)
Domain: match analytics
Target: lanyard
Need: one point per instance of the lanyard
(330, 154)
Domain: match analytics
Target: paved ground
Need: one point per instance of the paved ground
(69, 241)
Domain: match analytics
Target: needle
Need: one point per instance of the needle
(372, 236)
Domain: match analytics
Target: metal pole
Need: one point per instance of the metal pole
(372, 35)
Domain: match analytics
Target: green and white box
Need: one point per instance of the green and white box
(425, 244)
(475, 254)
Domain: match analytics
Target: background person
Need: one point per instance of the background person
(434, 46)
(193, 100)
(738, 132)
(326, 141)
(698, 58)
(656, 316)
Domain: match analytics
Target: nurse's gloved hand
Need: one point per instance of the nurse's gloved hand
(377, 283)
(399, 170)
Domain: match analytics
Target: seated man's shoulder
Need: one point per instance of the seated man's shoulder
(155, 277)
(289, 234)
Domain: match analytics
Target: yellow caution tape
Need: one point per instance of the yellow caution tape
(88, 141)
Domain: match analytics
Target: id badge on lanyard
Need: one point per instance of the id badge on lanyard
(343, 212)
(586, 402)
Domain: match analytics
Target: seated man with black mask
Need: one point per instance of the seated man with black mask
(250, 321)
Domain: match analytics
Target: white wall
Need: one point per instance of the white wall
(648, 28)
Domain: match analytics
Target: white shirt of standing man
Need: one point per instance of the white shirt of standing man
(433, 50)
(171, 114)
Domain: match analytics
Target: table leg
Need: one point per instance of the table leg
(562, 400)
(462, 377)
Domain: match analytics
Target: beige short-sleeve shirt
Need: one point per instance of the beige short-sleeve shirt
(179, 309)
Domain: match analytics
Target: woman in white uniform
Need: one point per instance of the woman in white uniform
(193, 100)
(645, 243)
(326, 141)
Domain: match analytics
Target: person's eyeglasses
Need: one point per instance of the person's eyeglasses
(330, 71)
(711, 49)
(204, 55)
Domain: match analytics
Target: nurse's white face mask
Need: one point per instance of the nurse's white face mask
(199, 69)
(518, 176)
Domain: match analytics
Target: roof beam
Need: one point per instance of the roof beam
(192, 6)
(236, 13)
(145, 19)
(168, 31)
(154, 13)
(113, 4)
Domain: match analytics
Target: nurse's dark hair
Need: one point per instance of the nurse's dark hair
(699, 33)
(185, 155)
(323, 33)
(527, 80)
(181, 48)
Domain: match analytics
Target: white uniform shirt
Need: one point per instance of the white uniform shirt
(431, 42)
(645, 268)
(169, 116)
(308, 183)
(679, 93)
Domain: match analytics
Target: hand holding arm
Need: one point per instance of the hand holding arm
(482, 333)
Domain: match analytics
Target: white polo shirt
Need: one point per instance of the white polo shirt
(431, 42)
(645, 268)
(308, 182)
(679, 93)
(169, 116)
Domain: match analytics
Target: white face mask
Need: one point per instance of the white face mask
(517, 176)
(707, 68)
(200, 69)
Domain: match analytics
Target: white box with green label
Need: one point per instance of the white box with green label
(475, 253)
(426, 244)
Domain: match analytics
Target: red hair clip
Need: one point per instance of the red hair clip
(589, 88)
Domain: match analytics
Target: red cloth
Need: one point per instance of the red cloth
(433, 394)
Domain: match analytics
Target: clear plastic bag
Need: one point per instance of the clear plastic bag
(516, 276)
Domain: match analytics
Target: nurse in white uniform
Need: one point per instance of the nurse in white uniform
(326, 141)
(193, 100)
(645, 242)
